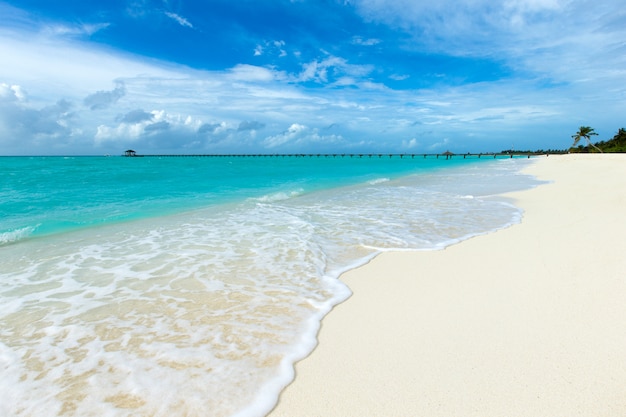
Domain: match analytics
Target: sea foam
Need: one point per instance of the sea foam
(16, 235)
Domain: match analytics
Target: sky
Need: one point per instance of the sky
(308, 76)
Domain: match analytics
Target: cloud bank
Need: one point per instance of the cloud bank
(408, 77)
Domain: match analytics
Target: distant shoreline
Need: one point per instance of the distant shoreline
(303, 155)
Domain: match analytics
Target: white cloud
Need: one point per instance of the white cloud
(250, 126)
(11, 93)
(565, 40)
(251, 73)
(103, 99)
(136, 116)
(279, 45)
(436, 18)
(206, 109)
(212, 128)
(301, 137)
(332, 68)
(440, 145)
(179, 19)
(24, 129)
(276, 47)
(357, 40)
(398, 77)
(128, 132)
(410, 144)
(141, 127)
(52, 66)
(157, 127)
(294, 131)
(73, 30)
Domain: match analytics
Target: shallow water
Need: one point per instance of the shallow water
(188, 287)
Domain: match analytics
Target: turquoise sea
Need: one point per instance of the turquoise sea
(189, 286)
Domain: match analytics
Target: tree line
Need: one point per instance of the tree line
(615, 144)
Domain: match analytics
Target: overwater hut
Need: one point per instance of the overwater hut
(448, 154)
(130, 152)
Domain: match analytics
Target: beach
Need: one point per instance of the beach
(525, 321)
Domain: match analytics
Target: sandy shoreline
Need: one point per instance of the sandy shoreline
(527, 321)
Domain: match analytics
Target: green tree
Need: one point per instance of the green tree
(585, 132)
(616, 144)
(620, 138)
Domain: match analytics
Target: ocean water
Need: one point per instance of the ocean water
(190, 286)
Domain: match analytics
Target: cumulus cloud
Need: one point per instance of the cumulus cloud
(11, 93)
(136, 116)
(158, 126)
(123, 131)
(154, 131)
(134, 125)
(299, 136)
(294, 131)
(250, 125)
(26, 129)
(49, 120)
(103, 99)
(209, 128)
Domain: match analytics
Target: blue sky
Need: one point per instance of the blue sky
(280, 76)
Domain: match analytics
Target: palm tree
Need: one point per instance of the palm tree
(585, 132)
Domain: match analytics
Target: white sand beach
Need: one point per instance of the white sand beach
(526, 321)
